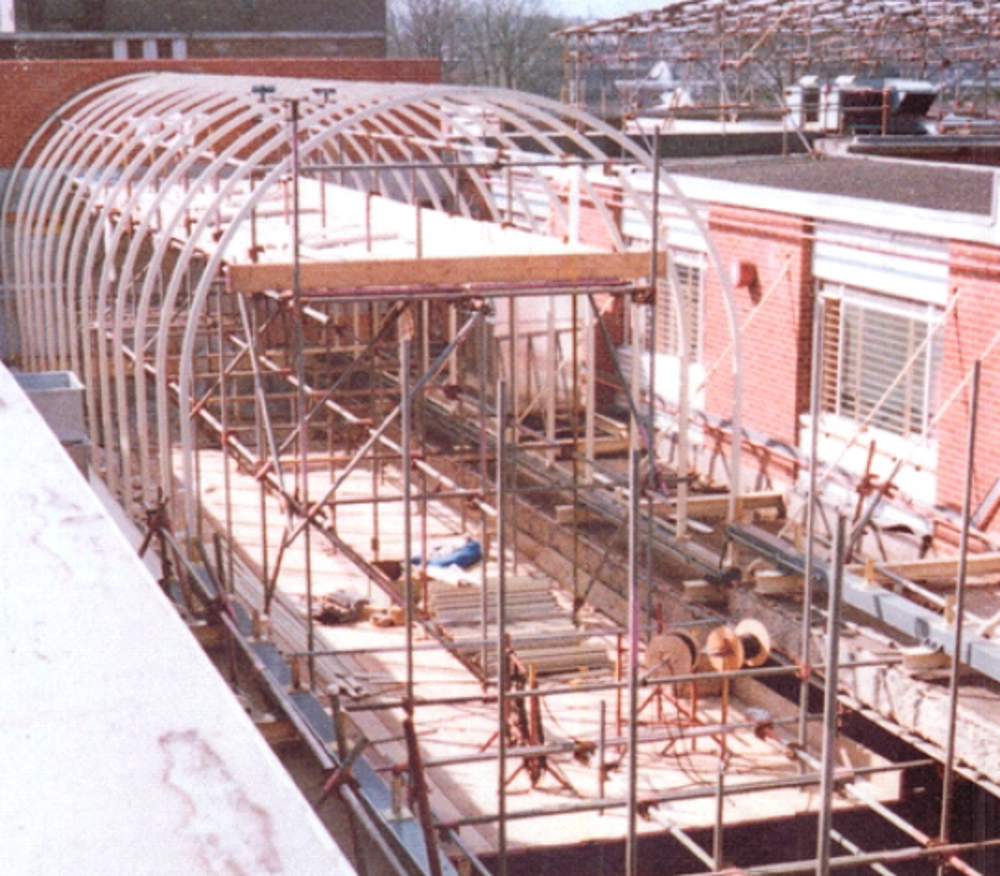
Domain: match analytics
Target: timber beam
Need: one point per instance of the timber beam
(556, 268)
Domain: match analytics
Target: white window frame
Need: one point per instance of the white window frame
(918, 399)
(682, 262)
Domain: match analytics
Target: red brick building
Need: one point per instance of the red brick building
(123, 29)
(904, 260)
(36, 89)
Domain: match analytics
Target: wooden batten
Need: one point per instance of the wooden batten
(770, 582)
(564, 515)
(569, 267)
(700, 592)
(277, 732)
(211, 637)
(934, 571)
(716, 505)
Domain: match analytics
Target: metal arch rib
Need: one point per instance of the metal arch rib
(22, 178)
(417, 108)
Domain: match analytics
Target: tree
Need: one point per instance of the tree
(502, 43)
(424, 28)
(510, 46)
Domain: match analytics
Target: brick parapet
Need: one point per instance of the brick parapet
(973, 325)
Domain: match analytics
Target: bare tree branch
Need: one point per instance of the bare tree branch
(503, 43)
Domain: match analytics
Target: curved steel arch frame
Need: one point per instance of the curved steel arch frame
(123, 168)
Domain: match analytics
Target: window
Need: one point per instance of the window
(881, 358)
(689, 269)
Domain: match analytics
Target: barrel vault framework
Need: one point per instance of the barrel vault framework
(182, 221)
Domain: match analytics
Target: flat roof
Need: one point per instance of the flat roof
(124, 750)
(907, 183)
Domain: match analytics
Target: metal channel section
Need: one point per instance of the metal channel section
(896, 611)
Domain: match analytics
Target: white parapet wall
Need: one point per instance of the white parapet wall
(124, 750)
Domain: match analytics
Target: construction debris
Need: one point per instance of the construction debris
(340, 607)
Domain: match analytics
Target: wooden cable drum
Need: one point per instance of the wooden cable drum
(756, 642)
(669, 655)
(748, 645)
(724, 649)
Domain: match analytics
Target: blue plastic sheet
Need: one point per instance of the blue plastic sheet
(464, 556)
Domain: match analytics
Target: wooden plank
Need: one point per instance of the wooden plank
(579, 649)
(469, 617)
(701, 592)
(566, 267)
(770, 582)
(610, 425)
(475, 597)
(277, 732)
(476, 592)
(525, 629)
(606, 444)
(564, 515)
(935, 568)
(716, 505)
(570, 658)
(211, 637)
(472, 605)
(512, 582)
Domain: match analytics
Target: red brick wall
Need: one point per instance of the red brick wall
(33, 90)
(264, 45)
(776, 346)
(594, 229)
(975, 276)
(268, 46)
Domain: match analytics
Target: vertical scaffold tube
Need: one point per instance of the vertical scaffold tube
(824, 828)
(501, 631)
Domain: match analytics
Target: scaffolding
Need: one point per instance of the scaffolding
(736, 57)
(367, 302)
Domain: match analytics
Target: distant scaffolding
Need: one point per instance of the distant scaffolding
(737, 54)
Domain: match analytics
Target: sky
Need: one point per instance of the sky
(593, 9)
